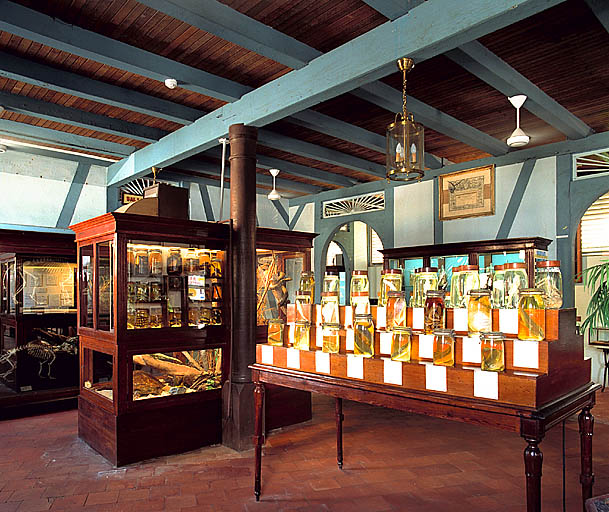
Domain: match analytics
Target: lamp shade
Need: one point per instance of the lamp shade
(405, 150)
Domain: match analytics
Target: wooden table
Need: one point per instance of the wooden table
(532, 424)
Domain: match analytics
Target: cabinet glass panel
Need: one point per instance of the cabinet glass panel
(105, 290)
(86, 286)
(176, 373)
(49, 286)
(8, 357)
(98, 373)
(173, 285)
(5, 290)
(277, 280)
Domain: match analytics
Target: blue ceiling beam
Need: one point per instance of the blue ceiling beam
(360, 61)
(600, 8)
(393, 9)
(222, 21)
(43, 29)
(41, 75)
(323, 154)
(39, 134)
(391, 99)
(75, 117)
(50, 153)
(490, 68)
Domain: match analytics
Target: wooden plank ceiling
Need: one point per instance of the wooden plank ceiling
(563, 51)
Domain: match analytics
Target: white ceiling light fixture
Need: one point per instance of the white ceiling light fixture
(273, 194)
(518, 137)
(3, 148)
(171, 83)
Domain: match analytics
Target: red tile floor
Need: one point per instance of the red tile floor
(393, 461)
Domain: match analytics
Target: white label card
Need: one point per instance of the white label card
(435, 377)
(291, 328)
(381, 317)
(460, 319)
(322, 362)
(508, 321)
(355, 366)
(266, 353)
(293, 359)
(418, 318)
(426, 346)
(348, 316)
(486, 384)
(471, 350)
(319, 336)
(526, 354)
(386, 338)
(350, 339)
(392, 372)
(317, 312)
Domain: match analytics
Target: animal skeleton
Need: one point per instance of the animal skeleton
(43, 351)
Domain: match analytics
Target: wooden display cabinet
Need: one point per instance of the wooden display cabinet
(38, 344)
(286, 254)
(154, 326)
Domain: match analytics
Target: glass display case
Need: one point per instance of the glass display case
(38, 343)
(154, 324)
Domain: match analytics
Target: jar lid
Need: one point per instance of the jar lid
(435, 293)
(512, 266)
(547, 263)
(531, 291)
(333, 326)
(359, 273)
(276, 321)
(479, 292)
(458, 268)
(493, 335)
(363, 315)
(469, 267)
(499, 267)
(425, 269)
(331, 272)
(395, 293)
(444, 332)
(392, 271)
(329, 294)
(401, 328)
(306, 273)
(303, 323)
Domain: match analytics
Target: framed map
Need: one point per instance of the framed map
(469, 193)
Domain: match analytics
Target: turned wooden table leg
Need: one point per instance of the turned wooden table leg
(258, 435)
(339, 431)
(586, 426)
(533, 459)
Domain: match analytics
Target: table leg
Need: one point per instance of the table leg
(533, 459)
(258, 435)
(586, 426)
(339, 431)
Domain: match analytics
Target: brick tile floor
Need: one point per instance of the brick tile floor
(393, 462)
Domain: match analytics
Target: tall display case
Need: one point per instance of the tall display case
(154, 326)
(38, 344)
(281, 256)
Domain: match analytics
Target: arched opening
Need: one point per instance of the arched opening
(354, 246)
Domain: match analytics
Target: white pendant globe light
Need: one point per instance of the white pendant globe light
(518, 137)
(273, 194)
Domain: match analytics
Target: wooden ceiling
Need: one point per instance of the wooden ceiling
(562, 51)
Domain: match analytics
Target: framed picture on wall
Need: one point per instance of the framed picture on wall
(469, 193)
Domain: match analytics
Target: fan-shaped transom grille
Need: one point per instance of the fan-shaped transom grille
(364, 203)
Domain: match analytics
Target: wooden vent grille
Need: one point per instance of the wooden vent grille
(364, 203)
(595, 226)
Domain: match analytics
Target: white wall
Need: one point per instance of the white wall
(413, 214)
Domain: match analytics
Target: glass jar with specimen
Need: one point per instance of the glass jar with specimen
(276, 327)
(444, 347)
(435, 313)
(469, 279)
(455, 287)
(331, 282)
(549, 280)
(515, 280)
(391, 281)
(174, 262)
(307, 284)
(329, 307)
(426, 278)
(191, 262)
(216, 267)
(479, 311)
(204, 263)
(302, 302)
(141, 267)
(493, 351)
(531, 315)
(360, 292)
(155, 262)
(330, 338)
(302, 331)
(364, 335)
(401, 343)
(498, 296)
(396, 310)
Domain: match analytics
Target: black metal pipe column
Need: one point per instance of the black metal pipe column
(238, 394)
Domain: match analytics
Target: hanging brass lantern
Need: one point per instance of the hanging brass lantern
(405, 146)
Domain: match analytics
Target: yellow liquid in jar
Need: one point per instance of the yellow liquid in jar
(400, 347)
(364, 339)
(493, 357)
(275, 334)
(301, 337)
(443, 352)
(479, 314)
(330, 342)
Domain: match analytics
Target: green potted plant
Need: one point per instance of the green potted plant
(596, 279)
